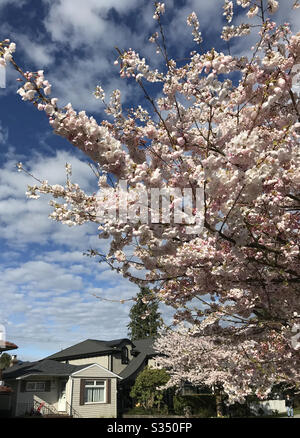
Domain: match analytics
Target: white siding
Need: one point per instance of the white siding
(97, 410)
(94, 371)
(25, 400)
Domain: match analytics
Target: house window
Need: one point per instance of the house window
(36, 386)
(95, 391)
(124, 355)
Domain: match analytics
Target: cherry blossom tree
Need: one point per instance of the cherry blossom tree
(228, 264)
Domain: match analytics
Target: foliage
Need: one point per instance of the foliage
(146, 390)
(145, 319)
(5, 359)
(202, 405)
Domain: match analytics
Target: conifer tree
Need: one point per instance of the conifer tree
(145, 318)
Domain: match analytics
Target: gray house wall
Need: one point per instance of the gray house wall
(111, 361)
(101, 360)
(95, 410)
(25, 399)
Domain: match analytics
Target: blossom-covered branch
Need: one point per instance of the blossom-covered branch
(236, 279)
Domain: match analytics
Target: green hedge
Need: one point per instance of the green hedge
(202, 405)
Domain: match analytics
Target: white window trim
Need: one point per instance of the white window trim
(35, 389)
(103, 386)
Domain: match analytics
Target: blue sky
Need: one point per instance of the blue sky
(46, 284)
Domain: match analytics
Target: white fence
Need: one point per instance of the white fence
(268, 407)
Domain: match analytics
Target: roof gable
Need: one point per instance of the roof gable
(94, 370)
(143, 350)
(89, 348)
(145, 346)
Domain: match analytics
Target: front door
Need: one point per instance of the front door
(62, 402)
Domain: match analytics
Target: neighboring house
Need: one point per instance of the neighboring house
(5, 391)
(89, 379)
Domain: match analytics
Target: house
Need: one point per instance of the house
(89, 379)
(5, 391)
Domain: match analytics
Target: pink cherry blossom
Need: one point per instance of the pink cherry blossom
(233, 283)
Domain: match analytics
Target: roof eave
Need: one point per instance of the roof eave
(83, 355)
(42, 375)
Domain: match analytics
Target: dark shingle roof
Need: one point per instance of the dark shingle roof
(89, 347)
(144, 349)
(41, 368)
(50, 366)
(145, 346)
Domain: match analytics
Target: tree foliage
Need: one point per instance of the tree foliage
(146, 390)
(5, 359)
(145, 319)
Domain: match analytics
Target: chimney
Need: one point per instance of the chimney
(13, 360)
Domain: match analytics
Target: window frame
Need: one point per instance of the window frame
(35, 383)
(95, 386)
(124, 355)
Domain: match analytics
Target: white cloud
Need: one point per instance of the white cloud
(42, 276)
(79, 23)
(25, 220)
(46, 281)
(47, 303)
(40, 54)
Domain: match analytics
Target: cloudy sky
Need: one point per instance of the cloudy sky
(46, 283)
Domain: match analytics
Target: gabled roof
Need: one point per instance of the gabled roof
(96, 365)
(41, 368)
(50, 366)
(145, 350)
(89, 348)
(145, 346)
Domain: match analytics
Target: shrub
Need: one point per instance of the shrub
(146, 390)
(202, 405)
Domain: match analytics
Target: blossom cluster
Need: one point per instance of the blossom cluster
(193, 21)
(214, 361)
(159, 10)
(235, 281)
(228, 10)
(7, 49)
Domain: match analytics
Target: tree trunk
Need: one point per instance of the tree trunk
(219, 404)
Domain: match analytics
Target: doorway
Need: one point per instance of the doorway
(62, 400)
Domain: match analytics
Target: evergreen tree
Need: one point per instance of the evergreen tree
(4, 361)
(145, 319)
